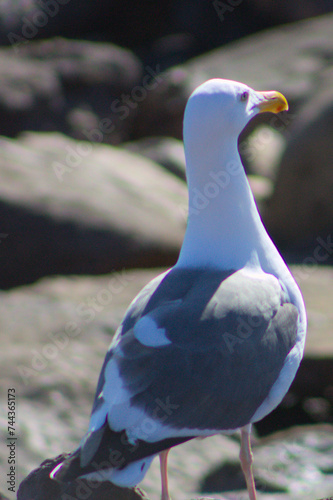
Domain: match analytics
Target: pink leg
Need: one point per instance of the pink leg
(246, 459)
(164, 474)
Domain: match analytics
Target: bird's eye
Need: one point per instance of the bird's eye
(244, 97)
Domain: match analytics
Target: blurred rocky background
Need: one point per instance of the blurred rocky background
(93, 205)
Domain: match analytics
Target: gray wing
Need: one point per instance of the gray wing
(211, 343)
(197, 350)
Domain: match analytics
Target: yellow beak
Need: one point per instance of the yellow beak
(272, 101)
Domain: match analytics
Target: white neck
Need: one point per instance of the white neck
(224, 228)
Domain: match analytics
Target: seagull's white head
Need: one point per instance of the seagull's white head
(224, 227)
(220, 109)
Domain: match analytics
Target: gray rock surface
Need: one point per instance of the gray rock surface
(75, 87)
(54, 335)
(166, 151)
(72, 84)
(304, 182)
(293, 58)
(293, 464)
(315, 282)
(83, 208)
(148, 25)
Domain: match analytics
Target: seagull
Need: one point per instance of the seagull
(212, 345)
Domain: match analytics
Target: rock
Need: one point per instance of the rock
(75, 87)
(286, 460)
(143, 26)
(124, 23)
(300, 211)
(261, 151)
(39, 486)
(89, 208)
(314, 282)
(166, 151)
(162, 112)
(293, 464)
(29, 90)
(306, 42)
(261, 188)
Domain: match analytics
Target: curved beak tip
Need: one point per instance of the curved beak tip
(272, 101)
